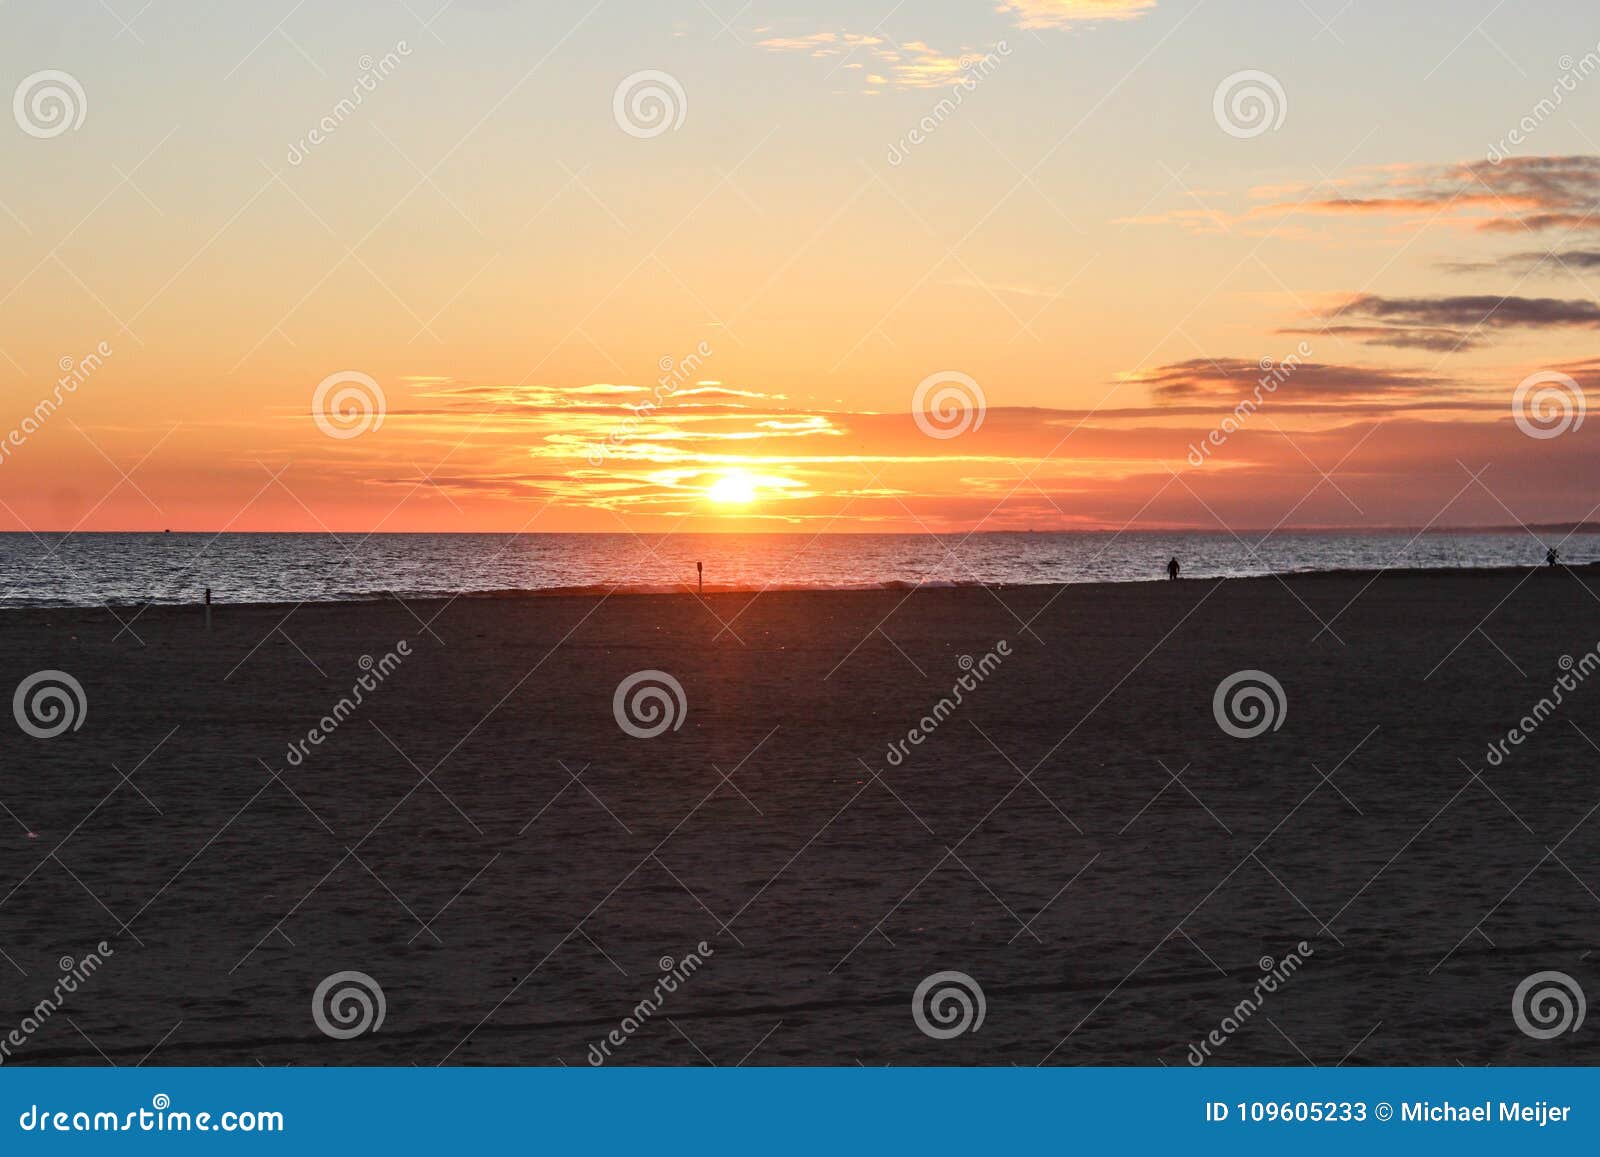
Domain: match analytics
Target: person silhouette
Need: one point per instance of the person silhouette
(1550, 556)
(1172, 568)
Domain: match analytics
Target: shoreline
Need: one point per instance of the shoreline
(901, 586)
(1244, 531)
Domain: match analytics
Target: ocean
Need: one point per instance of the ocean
(62, 570)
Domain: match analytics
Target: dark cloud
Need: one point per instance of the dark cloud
(1552, 261)
(1475, 311)
(1226, 378)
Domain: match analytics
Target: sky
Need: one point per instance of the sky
(490, 265)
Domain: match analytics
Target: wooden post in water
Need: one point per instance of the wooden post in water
(208, 608)
(700, 573)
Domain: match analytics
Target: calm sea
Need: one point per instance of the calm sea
(92, 569)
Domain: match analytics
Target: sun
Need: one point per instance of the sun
(733, 489)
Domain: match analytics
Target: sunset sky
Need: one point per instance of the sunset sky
(1075, 231)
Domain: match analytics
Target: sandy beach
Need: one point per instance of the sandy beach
(1078, 835)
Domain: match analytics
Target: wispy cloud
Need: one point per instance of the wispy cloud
(1226, 378)
(1439, 339)
(1477, 311)
(1518, 194)
(1525, 195)
(1532, 261)
(1447, 324)
(887, 64)
(1065, 13)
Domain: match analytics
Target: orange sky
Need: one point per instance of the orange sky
(1039, 205)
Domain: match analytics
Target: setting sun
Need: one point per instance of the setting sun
(735, 489)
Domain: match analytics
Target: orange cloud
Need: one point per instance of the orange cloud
(1520, 193)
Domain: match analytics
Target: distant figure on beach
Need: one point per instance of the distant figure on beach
(1172, 569)
(1550, 556)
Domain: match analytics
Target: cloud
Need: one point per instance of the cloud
(1532, 261)
(1476, 311)
(910, 64)
(1065, 13)
(915, 64)
(823, 44)
(1585, 371)
(1229, 378)
(1520, 194)
(1525, 195)
(1447, 324)
(1439, 339)
(1382, 205)
(1542, 222)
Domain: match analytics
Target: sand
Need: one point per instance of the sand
(482, 838)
